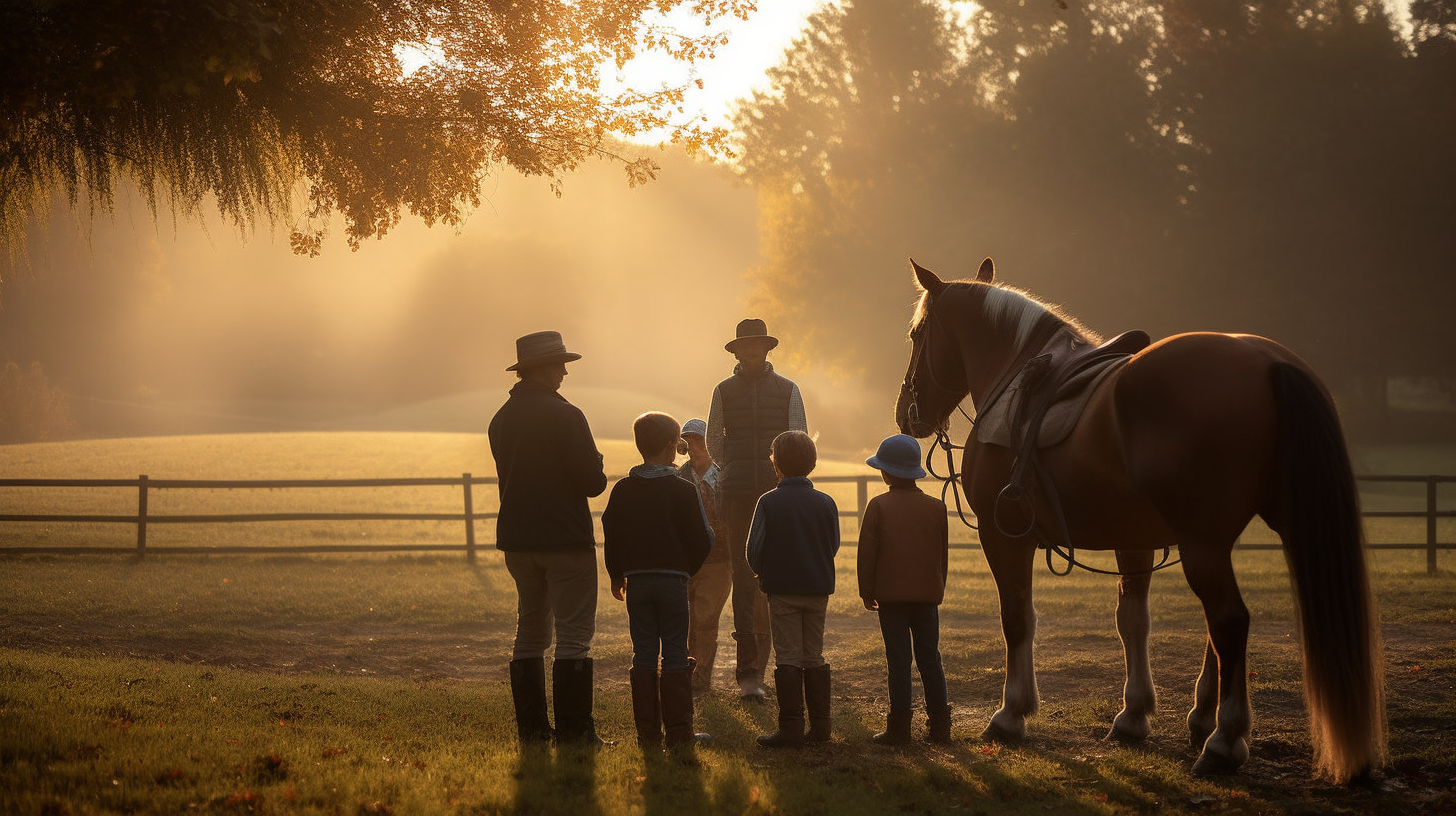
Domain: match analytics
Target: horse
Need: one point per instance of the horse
(1181, 446)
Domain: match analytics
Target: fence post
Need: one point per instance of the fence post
(862, 494)
(141, 516)
(469, 521)
(1431, 524)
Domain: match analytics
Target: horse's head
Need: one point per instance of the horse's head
(935, 383)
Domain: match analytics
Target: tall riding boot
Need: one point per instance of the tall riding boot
(528, 692)
(816, 699)
(938, 719)
(789, 686)
(677, 708)
(571, 695)
(897, 729)
(646, 708)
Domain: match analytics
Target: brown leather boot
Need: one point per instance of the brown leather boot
(816, 699)
(646, 708)
(528, 692)
(677, 709)
(897, 730)
(789, 687)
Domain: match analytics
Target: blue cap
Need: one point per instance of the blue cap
(695, 426)
(899, 455)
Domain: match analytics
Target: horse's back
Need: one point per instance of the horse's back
(1197, 425)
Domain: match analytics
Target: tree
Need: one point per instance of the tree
(32, 409)
(253, 103)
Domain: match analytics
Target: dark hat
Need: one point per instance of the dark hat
(540, 348)
(899, 455)
(752, 329)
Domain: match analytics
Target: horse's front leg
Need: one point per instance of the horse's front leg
(1210, 574)
(1134, 623)
(1010, 564)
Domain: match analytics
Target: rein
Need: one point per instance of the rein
(951, 482)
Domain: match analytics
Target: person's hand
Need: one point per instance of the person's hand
(871, 604)
(619, 590)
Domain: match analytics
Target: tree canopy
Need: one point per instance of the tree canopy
(263, 105)
(1272, 166)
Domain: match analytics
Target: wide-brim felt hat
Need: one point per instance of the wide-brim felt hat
(752, 329)
(541, 348)
(899, 455)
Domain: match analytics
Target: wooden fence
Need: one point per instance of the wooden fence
(144, 486)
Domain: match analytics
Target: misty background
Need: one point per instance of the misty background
(1281, 168)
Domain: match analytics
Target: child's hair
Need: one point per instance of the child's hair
(794, 453)
(654, 431)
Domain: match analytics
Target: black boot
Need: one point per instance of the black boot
(677, 708)
(571, 694)
(528, 692)
(938, 718)
(789, 687)
(816, 699)
(646, 708)
(897, 729)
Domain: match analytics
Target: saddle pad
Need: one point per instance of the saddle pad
(993, 427)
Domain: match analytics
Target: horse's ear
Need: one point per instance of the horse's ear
(928, 280)
(987, 272)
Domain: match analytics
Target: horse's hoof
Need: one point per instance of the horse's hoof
(1212, 764)
(995, 733)
(1125, 737)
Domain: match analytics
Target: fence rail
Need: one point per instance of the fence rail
(145, 485)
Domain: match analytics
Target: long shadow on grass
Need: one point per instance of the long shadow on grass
(563, 781)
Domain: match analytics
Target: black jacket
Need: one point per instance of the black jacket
(548, 466)
(654, 523)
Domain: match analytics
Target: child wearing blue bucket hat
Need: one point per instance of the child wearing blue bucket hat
(903, 560)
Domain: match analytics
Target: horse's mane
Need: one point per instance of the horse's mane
(1010, 308)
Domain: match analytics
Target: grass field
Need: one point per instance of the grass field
(357, 685)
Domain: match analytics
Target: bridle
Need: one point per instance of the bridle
(951, 482)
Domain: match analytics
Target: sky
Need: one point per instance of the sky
(754, 45)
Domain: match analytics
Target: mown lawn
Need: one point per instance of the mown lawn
(378, 685)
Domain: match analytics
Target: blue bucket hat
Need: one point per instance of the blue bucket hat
(899, 455)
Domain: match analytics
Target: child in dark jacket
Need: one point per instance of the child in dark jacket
(791, 546)
(903, 559)
(656, 535)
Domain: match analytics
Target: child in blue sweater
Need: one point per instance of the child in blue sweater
(791, 548)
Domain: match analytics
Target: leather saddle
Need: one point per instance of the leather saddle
(1039, 408)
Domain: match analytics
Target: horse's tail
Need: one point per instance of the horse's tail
(1324, 545)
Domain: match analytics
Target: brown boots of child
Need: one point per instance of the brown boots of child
(662, 707)
(799, 689)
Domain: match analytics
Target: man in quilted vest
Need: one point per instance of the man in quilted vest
(749, 410)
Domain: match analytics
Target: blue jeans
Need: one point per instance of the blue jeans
(657, 619)
(913, 628)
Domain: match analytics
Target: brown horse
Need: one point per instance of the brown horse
(1182, 446)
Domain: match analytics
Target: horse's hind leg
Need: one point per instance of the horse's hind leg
(1134, 623)
(1203, 717)
(1011, 567)
(1210, 574)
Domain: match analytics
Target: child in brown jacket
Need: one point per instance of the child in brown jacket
(903, 559)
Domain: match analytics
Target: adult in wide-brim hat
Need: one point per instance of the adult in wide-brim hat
(752, 330)
(541, 348)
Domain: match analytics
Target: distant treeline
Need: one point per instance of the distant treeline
(1284, 168)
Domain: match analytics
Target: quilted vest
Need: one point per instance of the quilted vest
(755, 410)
